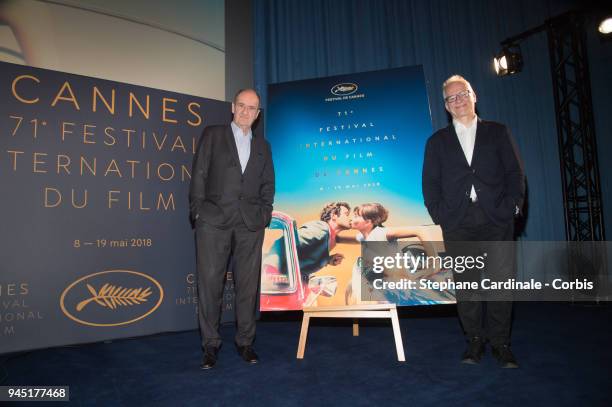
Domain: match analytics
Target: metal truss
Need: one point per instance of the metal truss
(575, 128)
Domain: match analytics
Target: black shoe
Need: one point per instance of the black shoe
(210, 358)
(247, 354)
(474, 351)
(504, 356)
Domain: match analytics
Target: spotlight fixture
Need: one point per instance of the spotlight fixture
(509, 61)
(605, 27)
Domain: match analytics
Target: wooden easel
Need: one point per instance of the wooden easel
(354, 312)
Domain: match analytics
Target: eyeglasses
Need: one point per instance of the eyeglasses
(250, 109)
(457, 96)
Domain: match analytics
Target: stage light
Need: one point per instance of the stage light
(509, 61)
(500, 64)
(605, 27)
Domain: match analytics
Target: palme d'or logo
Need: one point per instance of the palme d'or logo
(344, 89)
(128, 295)
(111, 296)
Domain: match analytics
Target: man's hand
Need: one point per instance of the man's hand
(335, 259)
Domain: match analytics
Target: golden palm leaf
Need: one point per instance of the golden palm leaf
(110, 296)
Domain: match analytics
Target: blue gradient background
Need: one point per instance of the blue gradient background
(395, 101)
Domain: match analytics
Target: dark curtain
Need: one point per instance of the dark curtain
(302, 39)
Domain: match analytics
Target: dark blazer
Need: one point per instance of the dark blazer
(218, 186)
(496, 173)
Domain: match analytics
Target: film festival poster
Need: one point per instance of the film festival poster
(96, 239)
(357, 139)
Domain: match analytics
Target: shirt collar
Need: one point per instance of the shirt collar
(332, 237)
(238, 131)
(459, 126)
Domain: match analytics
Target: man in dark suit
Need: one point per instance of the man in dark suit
(318, 237)
(474, 186)
(231, 197)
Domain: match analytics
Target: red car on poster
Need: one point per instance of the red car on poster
(281, 281)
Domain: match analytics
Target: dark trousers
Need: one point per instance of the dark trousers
(215, 248)
(475, 236)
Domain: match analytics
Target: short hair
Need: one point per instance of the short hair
(374, 212)
(248, 90)
(333, 208)
(453, 79)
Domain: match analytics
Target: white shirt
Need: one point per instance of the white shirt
(467, 139)
(243, 145)
(378, 234)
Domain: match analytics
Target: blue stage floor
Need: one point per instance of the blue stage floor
(564, 351)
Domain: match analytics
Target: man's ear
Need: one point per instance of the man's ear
(233, 108)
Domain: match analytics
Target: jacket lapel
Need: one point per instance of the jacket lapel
(478, 140)
(231, 144)
(456, 145)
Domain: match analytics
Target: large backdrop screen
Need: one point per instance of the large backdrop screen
(95, 240)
